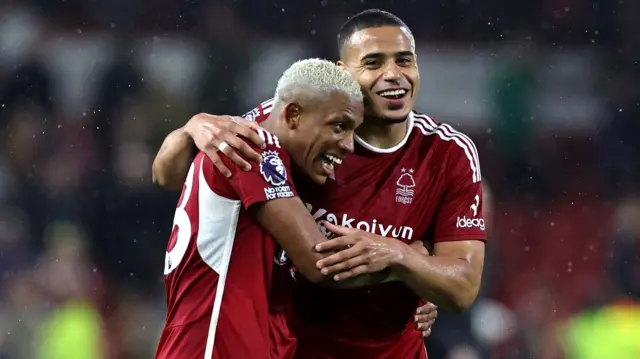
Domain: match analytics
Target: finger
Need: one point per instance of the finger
(247, 129)
(348, 265)
(339, 230)
(217, 161)
(425, 325)
(246, 123)
(230, 151)
(206, 136)
(426, 333)
(336, 243)
(432, 315)
(354, 272)
(238, 142)
(422, 318)
(426, 308)
(338, 261)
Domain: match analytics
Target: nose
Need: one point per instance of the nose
(391, 72)
(347, 143)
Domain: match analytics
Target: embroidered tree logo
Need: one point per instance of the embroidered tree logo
(405, 184)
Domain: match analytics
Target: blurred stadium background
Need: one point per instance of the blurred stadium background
(548, 89)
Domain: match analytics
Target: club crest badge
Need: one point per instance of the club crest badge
(272, 168)
(405, 183)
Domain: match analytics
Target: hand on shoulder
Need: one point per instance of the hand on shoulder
(213, 134)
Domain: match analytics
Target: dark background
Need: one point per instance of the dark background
(547, 89)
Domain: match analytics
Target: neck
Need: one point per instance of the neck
(272, 125)
(381, 134)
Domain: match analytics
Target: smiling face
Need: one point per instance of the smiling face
(383, 61)
(322, 133)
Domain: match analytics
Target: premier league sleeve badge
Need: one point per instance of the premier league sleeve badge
(272, 168)
(274, 173)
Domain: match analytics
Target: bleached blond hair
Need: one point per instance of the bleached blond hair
(317, 75)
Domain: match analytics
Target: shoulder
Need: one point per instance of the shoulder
(443, 132)
(260, 112)
(275, 162)
(458, 149)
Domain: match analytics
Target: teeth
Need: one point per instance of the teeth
(393, 93)
(334, 159)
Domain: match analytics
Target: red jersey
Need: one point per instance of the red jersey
(426, 188)
(219, 261)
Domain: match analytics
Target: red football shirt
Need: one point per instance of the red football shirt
(219, 261)
(426, 188)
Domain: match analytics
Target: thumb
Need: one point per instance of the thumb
(338, 230)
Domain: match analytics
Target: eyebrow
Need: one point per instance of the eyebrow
(345, 118)
(352, 122)
(376, 55)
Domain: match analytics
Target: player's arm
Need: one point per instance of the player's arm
(172, 162)
(451, 277)
(205, 133)
(275, 205)
(293, 227)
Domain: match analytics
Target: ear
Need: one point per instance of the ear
(292, 113)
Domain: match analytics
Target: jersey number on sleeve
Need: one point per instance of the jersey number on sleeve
(181, 233)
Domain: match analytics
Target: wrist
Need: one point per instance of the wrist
(403, 251)
(401, 266)
(184, 133)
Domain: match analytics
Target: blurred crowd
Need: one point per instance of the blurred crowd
(548, 90)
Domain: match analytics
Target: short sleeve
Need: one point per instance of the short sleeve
(266, 181)
(459, 215)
